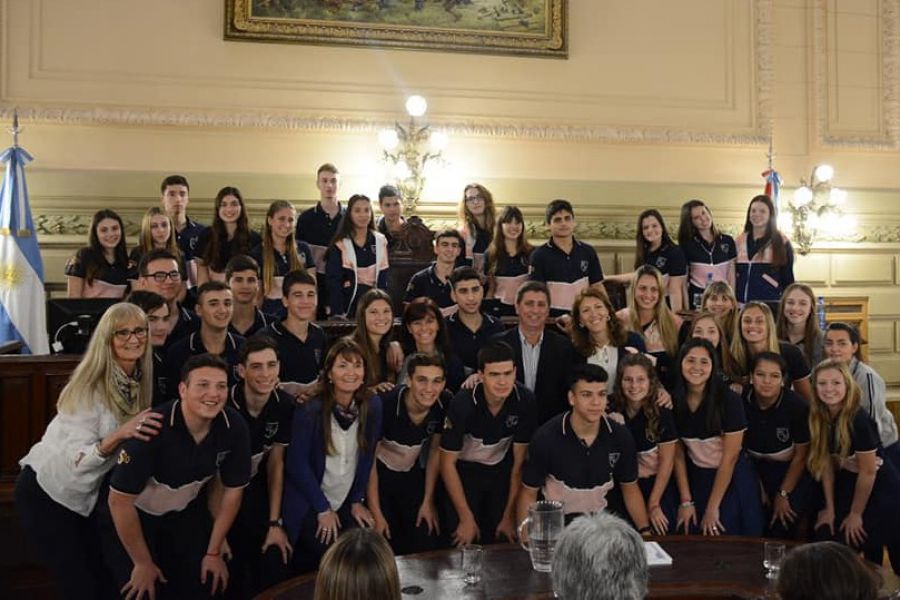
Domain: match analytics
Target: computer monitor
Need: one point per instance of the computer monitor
(71, 321)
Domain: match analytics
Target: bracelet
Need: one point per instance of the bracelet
(645, 529)
(686, 504)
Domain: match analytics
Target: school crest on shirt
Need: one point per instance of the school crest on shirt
(584, 266)
(512, 421)
(124, 458)
(221, 456)
(782, 434)
(726, 247)
(318, 354)
(613, 459)
(447, 423)
(270, 430)
(431, 427)
(661, 262)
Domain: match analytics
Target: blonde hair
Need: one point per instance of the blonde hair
(810, 328)
(94, 377)
(820, 419)
(358, 566)
(145, 243)
(467, 219)
(268, 246)
(739, 349)
(729, 323)
(662, 315)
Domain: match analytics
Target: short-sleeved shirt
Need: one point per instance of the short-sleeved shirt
(647, 448)
(186, 323)
(565, 274)
(300, 360)
(863, 438)
(168, 472)
(466, 343)
(704, 446)
(229, 248)
(317, 228)
(426, 283)
(110, 279)
(482, 438)
(402, 441)
(668, 259)
(578, 475)
(772, 432)
(192, 345)
(510, 273)
(282, 262)
(188, 238)
(707, 261)
(260, 321)
(271, 426)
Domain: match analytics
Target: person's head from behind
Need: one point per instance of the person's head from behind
(358, 566)
(600, 557)
(826, 571)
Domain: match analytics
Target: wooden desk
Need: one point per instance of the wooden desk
(702, 567)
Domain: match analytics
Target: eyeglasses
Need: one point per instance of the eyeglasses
(125, 334)
(161, 276)
(478, 198)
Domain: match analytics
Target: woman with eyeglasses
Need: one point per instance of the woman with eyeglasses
(105, 402)
(477, 217)
(100, 269)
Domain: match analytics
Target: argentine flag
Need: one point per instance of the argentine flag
(22, 305)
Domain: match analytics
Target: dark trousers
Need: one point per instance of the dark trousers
(487, 490)
(177, 542)
(401, 495)
(251, 570)
(65, 541)
(308, 550)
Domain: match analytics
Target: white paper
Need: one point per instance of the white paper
(656, 556)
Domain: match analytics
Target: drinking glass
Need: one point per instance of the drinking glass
(773, 556)
(472, 561)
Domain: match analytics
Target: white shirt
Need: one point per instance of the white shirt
(68, 466)
(608, 358)
(340, 466)
(531, 356)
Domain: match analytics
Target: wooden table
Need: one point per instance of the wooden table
(702, 567)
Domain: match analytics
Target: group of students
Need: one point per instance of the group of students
(447, 434)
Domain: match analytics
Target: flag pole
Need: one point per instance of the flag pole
(15, 129)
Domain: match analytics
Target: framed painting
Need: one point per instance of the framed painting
(523, 27)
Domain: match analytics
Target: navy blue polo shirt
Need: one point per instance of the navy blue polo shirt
(863, 438)
(317, 228)
(466, 343)
(260, 321)
(187, 322)
(565, 274)
(426, 283)
(704, 446)
(797, 367)
(482, 438)
(188, 239)
(647, 442)
(179, 352)
(271, 426)
(772, 433)
(282, 262)
(402, 441)
(229, 248)
(705, 259)
(578, 475)
(160, 378)
(115, 274)
(168, 472)
(300, 361)
(668, 259)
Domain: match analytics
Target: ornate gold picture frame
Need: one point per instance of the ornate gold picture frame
(522, 27)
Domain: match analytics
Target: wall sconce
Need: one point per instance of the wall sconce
(408, 149)
(815, 210)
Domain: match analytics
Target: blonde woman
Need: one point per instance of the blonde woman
(797, 323)
(755, 334)
(860, 488)
(648, 315)
(158, 233)
(359, 565)
(105, 403)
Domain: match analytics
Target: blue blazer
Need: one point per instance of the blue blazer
(305, 464)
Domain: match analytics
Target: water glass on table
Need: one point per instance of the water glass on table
(472, 561)
(773, 556)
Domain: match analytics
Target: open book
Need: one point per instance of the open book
(656, 556)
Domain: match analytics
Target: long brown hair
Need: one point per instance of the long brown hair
(811, 329)
(467, 219)
(358, 566)
(648, 404)
(820, 419)
(642, 246)
(345, 227)
(95, 248)
(218, 235)
(581, 337)
(268, 253)
(779, 247)
(729, 366)
(686, 230)
(498, 256)
(346, 348)
(371, 352)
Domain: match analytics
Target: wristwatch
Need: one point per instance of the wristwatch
(783, 493)
(279, 522)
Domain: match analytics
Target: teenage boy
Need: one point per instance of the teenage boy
(242, 275)
(301, 343)
(486, 434)
(434, 281)
(259, 545)
(469, 328)
(407, 460)
(317, 225)
(175, 195)
(164, 539)
(543, 357)
(576, 457)
(158, 272)
(214, 308)
(566, 265)
(391, 220)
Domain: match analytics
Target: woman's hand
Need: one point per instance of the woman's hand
(825, 518)
(783, 511)
(395, 357)
(380, 388)
(381, 526)
(142, 426)
(143, 581)
(854, 532)
(362, 515)
(328, 526)
(663, 398)
(687, 517)
(658, 520)
(428, 514)
(711, 525)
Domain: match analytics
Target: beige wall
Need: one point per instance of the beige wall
(658, 102)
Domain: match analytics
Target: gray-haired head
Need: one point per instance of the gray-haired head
(600, 557)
